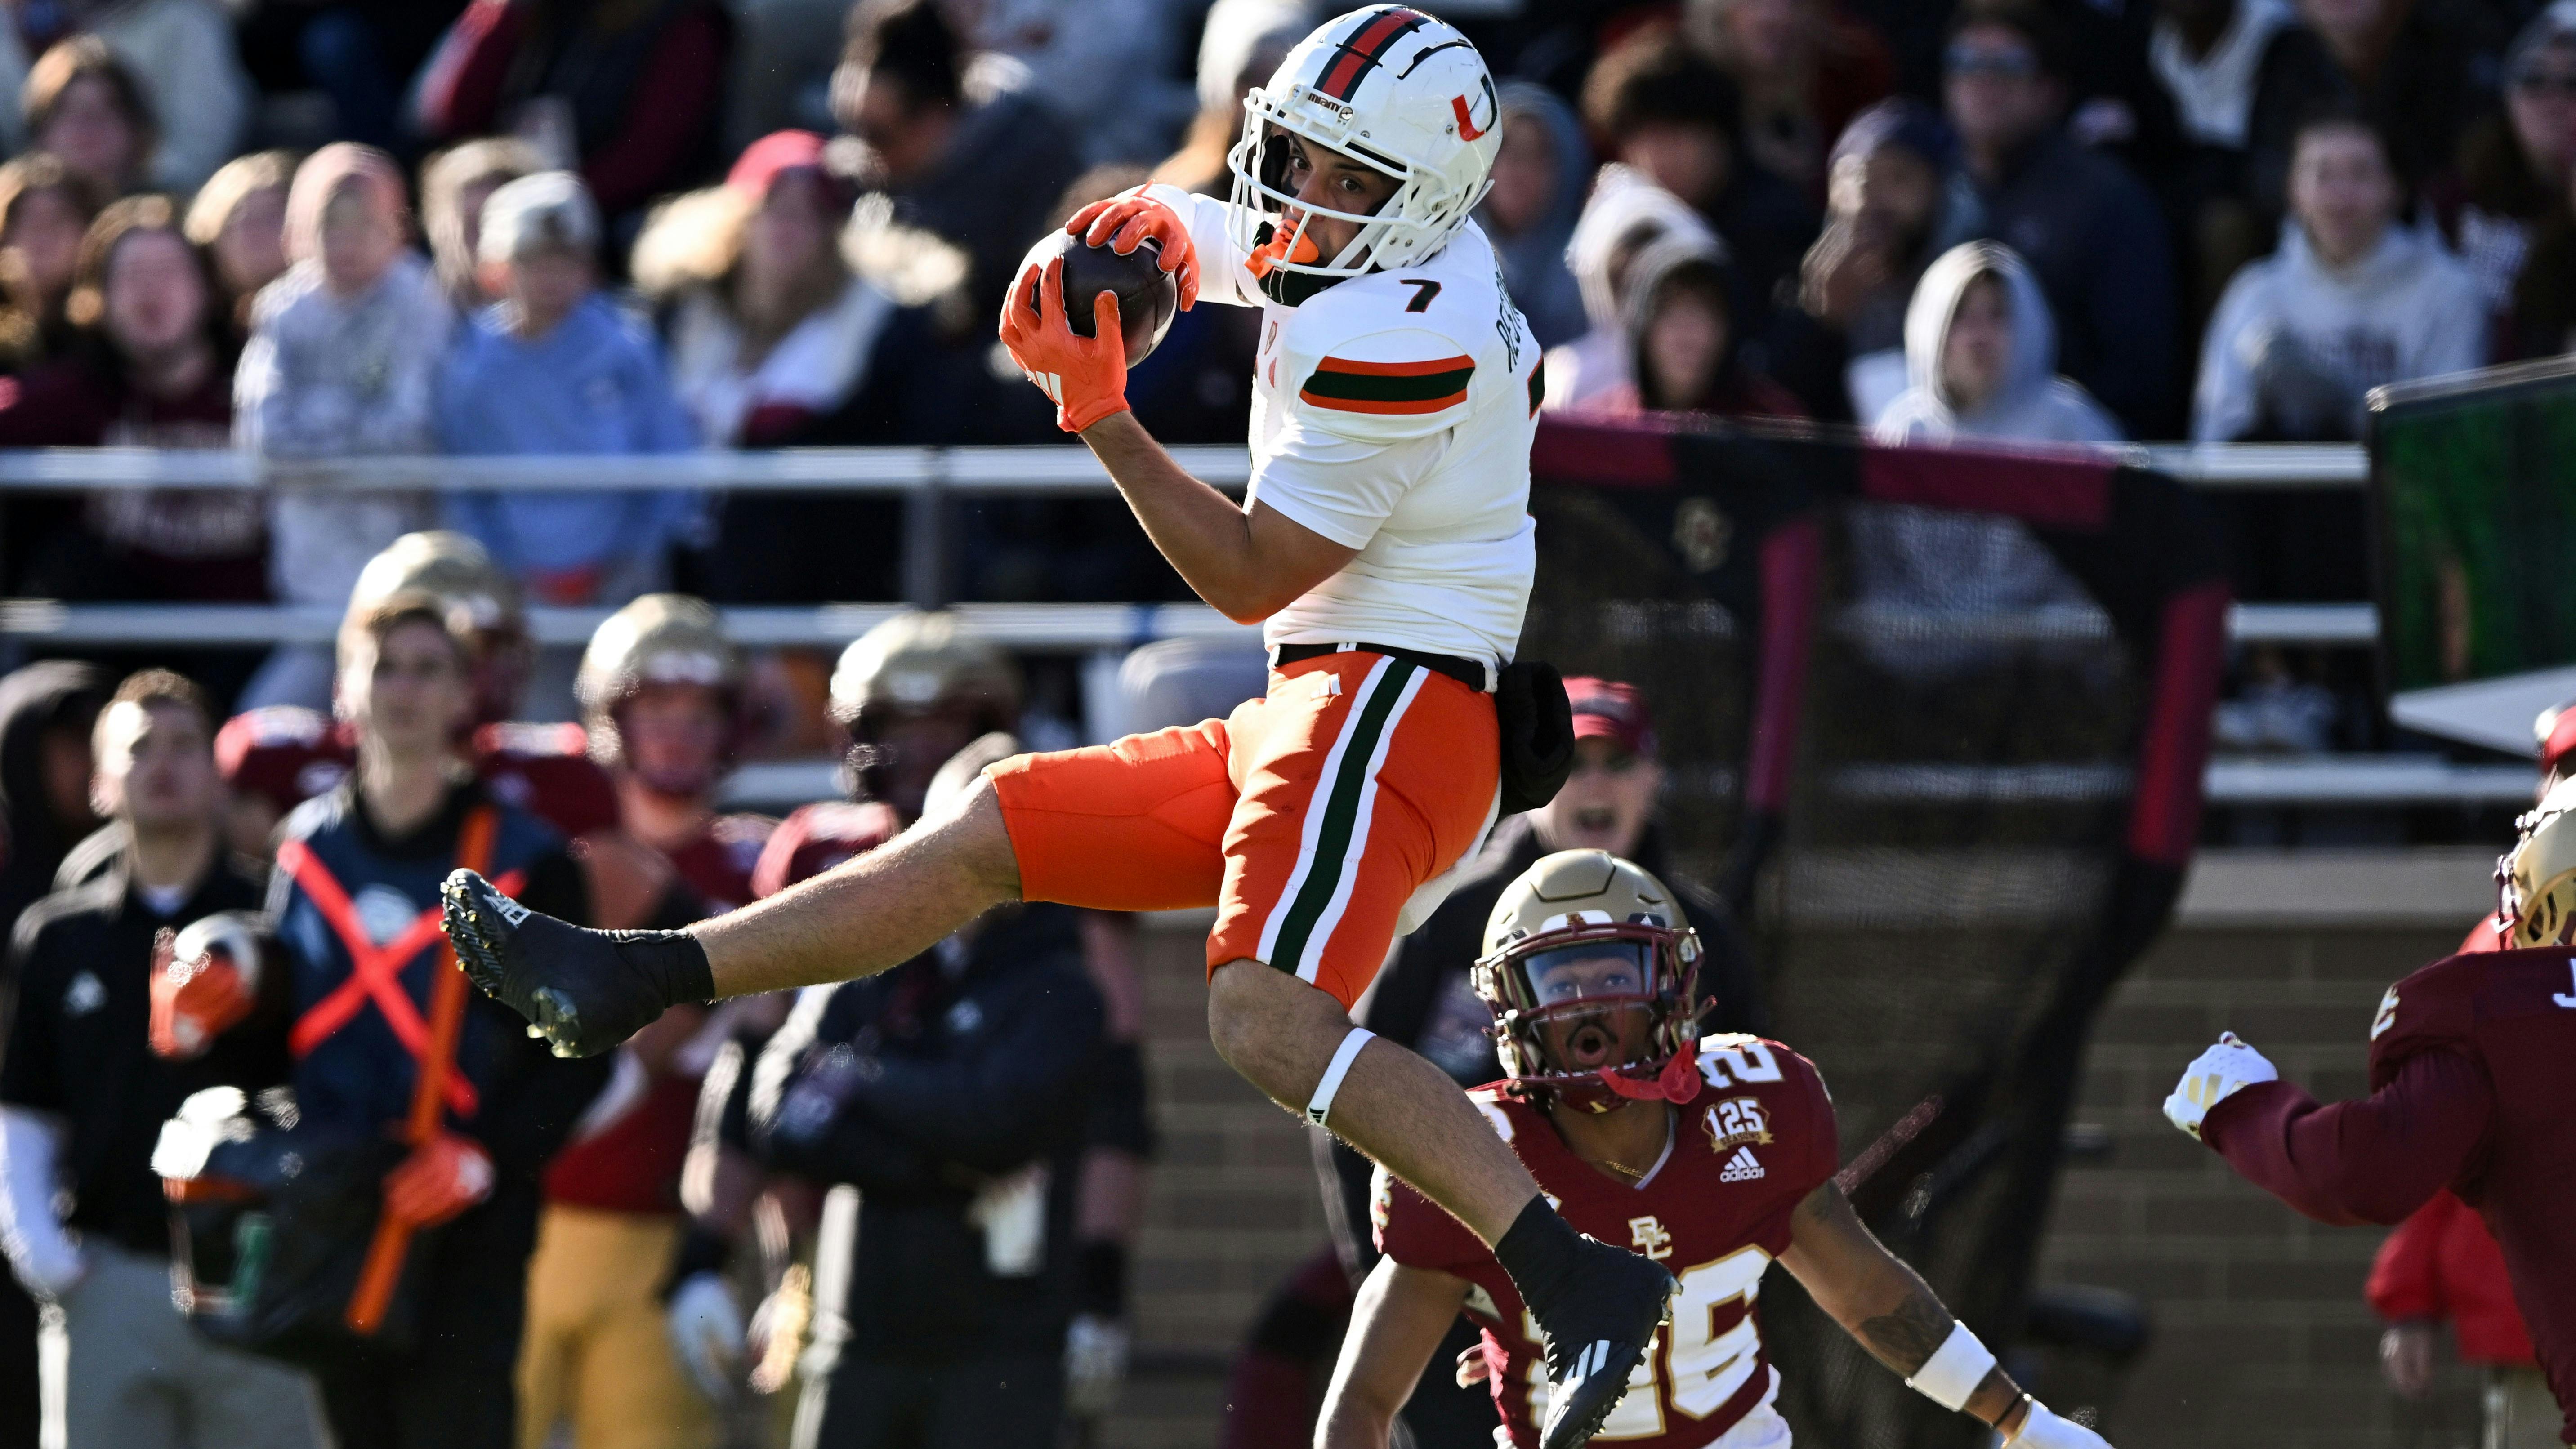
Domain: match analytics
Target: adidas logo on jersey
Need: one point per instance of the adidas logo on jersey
(1742, 1167)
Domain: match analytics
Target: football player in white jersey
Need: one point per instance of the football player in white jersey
(1385, 544)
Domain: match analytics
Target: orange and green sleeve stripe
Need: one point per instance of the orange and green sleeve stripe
(1388, 387)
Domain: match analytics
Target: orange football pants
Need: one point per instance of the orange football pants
(1308, 818)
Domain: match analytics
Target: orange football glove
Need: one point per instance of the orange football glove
(193, 1002)
(1086, 376)
(443, 1177)
(1125, 220)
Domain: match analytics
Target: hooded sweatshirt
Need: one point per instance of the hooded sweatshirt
(1534, 267)
(48, 695)
(2033, 404)
(1912, 564)
(2405, 310)
(1626, 212)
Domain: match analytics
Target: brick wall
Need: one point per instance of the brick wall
(2262, 1341)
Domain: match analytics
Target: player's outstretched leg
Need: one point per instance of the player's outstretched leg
(585, 991)
(1597, 1306)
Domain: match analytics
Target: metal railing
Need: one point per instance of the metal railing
(924, 480)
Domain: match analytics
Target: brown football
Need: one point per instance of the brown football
(1146, 294)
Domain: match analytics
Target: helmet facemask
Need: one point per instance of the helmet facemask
(1595, 1012)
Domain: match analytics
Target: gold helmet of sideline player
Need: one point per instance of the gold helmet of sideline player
(456, 570)
(913, 691)
(2537, 879)
(673, 647)
(1590, 971)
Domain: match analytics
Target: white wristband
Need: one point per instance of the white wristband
(1951, 1375)
(1320, 1105)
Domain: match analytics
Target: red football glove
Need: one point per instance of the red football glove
(1124, 221)
(443, 1177)
(1086, 376)
(193, 1002)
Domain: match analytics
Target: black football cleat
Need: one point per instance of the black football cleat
(1601, 1325)
(583, 991)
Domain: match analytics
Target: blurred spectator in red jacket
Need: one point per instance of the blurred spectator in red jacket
(2442, 1265)
(454, 184)
(628, 95)
(1805, 69)
(239, 217)
(44, 211)
(151, 366)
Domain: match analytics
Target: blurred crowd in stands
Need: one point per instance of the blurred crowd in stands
(609, 226)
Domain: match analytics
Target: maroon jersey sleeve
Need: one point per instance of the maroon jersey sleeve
(2371, 1161)
(283, 753)
(816, 838)
(546, 770)
(1417, 1233)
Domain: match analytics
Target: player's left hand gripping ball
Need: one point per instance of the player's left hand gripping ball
(2214, 1076)
(584, 991)
(1121, 223)
(1086, 377)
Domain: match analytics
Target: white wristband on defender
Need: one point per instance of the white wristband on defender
(1320, 1105)
(1954, 1370)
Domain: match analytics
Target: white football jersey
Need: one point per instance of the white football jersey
(1392, 413)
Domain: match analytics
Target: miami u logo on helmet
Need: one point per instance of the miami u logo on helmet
(1468, 130)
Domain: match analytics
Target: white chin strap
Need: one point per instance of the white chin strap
(1320, 1106)
(1955, 1369)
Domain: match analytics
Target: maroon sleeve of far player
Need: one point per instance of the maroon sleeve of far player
(1415, 1232)
(2371, 1161)
(1818, 1135)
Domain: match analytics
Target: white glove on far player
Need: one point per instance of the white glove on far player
(2213, 1077)
(2044, 1430)
(707, 1334)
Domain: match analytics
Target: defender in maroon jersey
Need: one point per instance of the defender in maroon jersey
(2472, 1070)
(1714, 1157)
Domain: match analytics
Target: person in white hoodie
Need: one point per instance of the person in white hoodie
(343, 351)
(1981, 359)
(2352, 300)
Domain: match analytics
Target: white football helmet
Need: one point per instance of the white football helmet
(1390, 87)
